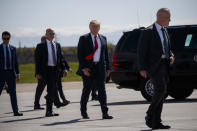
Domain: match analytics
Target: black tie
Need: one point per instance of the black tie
(7, 58)
(165, 43)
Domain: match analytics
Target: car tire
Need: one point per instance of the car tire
(180, 93)
(147, 89)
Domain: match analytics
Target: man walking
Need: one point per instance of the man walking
(154, 57)
(93, 66)
(48, 60)
(9, 70)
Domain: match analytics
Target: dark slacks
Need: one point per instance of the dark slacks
(9, 77)
(60, 90)
(39, 90)
(94, 90)
(160, 80)
(97, 76)
(51, 78)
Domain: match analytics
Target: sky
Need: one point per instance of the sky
(27, 20)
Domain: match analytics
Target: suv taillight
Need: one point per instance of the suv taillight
(114, 64)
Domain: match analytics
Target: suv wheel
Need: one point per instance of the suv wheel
(147, 89)
(180, 93)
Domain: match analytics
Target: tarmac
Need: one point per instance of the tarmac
(127, 106)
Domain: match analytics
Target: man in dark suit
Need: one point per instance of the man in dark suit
(93, 67)
(41, 85)
(48, 61)
(9, 70)
(154, 57)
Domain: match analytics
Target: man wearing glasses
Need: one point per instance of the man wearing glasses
(48, 61)
(9, 70)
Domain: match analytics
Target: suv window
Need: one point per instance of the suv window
(191, 41)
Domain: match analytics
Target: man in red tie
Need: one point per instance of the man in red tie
(93, 67)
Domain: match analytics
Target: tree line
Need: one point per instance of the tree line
(26, 55)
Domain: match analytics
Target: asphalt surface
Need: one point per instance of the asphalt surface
(127, 107)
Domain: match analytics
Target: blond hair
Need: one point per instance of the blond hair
(94, 22)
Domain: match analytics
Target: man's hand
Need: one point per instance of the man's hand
(18, 78)
(108, 73)
(65, 73)
(86, 71)
(172, 58)
(38, 76)
(143, 73)
(70, 70)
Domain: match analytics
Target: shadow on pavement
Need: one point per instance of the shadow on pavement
(20, 111)
(168, 101)
(146, 130)
(68, 122)
(26, 119)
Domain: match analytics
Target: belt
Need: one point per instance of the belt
(8, 70)
(51, 67)
(95, 63)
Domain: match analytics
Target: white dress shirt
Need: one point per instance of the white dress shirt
(4, 50)
(50, 53)
(97, 54)
(158, 27)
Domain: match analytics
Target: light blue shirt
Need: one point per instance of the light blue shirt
(158, 27)
(4, 50)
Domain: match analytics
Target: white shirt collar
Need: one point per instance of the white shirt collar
(5, 45)
(50, 42)
(93, 35)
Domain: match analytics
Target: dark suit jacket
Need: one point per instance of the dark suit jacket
(14, 65)
(150, 50)
(41, 58)
(85, 47)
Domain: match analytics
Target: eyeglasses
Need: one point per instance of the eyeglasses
(51, 33)
(6, 38)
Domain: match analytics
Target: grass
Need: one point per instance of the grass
(27, 72)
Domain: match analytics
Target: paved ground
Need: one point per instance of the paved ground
(127, 106)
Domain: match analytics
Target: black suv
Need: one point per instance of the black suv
(183, 73)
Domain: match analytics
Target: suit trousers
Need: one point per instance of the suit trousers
(60, 90)
(39, 90)
(51, 78)
(97, 76)
(10, 79)
(159, 79)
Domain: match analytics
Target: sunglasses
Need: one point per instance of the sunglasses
(6, 38)
(51, 33)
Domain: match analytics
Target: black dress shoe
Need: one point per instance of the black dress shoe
(18, 114)
(66, 102)
(161, 126)
(38, 108)
(106, 116)
(50, 114)
(148, 121)
(61, 105)
(85, 116)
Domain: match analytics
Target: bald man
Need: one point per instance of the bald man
(154, 58)
(48, 61)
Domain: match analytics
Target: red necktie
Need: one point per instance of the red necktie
(90, 56)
